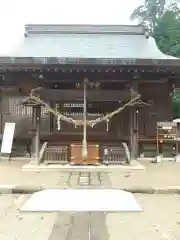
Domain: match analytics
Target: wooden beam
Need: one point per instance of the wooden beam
(92, 95)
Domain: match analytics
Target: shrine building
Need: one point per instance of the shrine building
(86, 94)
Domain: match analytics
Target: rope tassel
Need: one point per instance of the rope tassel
(58, 123)
(107, 125)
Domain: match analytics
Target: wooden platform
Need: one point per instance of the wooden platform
(33, 167)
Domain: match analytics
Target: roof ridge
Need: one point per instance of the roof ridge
(83, 29)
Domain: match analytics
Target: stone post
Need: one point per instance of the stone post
(177, 158)
(36, 138)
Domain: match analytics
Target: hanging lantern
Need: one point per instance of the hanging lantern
(58, 123)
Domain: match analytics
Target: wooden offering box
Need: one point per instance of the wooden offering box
(93, 154)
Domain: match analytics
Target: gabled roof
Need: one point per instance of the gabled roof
(91, 44)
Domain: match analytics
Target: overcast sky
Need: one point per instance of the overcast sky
(16, 13)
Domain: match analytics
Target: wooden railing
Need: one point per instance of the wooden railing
(114, 154)
(56, 154)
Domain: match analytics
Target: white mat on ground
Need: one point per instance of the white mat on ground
(75, 200)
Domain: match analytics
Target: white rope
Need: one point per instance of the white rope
(58, 123)
(108, 116)
(90, 123)
(107, 125)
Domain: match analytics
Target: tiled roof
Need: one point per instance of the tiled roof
(88, 41)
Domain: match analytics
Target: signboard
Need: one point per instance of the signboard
(167, 127)
(8, 136)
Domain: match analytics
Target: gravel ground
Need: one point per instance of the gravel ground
(23, 226)
(163, 174)
(160, 219)
(155, 175)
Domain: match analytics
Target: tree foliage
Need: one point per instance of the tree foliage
(176, 105)
(149, 12)
(167, 31)
(164, 23)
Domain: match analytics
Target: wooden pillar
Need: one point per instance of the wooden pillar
(1, 113)
(36, 126)
(133, 134)
(51, 116)
(133, 127)
(177, 157)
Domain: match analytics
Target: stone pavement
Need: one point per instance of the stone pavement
(64, 226)
(160, 220)
(74, 226)
(17, 226)
(155, 175)
(161, 175)
(150, 224)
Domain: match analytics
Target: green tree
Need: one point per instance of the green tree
(164, 22)
(167, 31)
(149, 12)
(176, 105)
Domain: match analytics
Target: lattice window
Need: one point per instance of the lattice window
(76, 109)
(44, 111)
(73, 105)
(12, 106)
(15, 108)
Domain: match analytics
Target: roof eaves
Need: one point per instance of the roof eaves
(43, 61)
(83, 29)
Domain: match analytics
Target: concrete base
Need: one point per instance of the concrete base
(135, 165)
(177, 158)
(7, 159)
(154, 159)
(159, 158)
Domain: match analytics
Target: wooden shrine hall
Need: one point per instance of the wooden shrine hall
(86, 94)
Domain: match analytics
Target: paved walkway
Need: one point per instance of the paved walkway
(64, 226)
(155, 175)
(150, 224)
